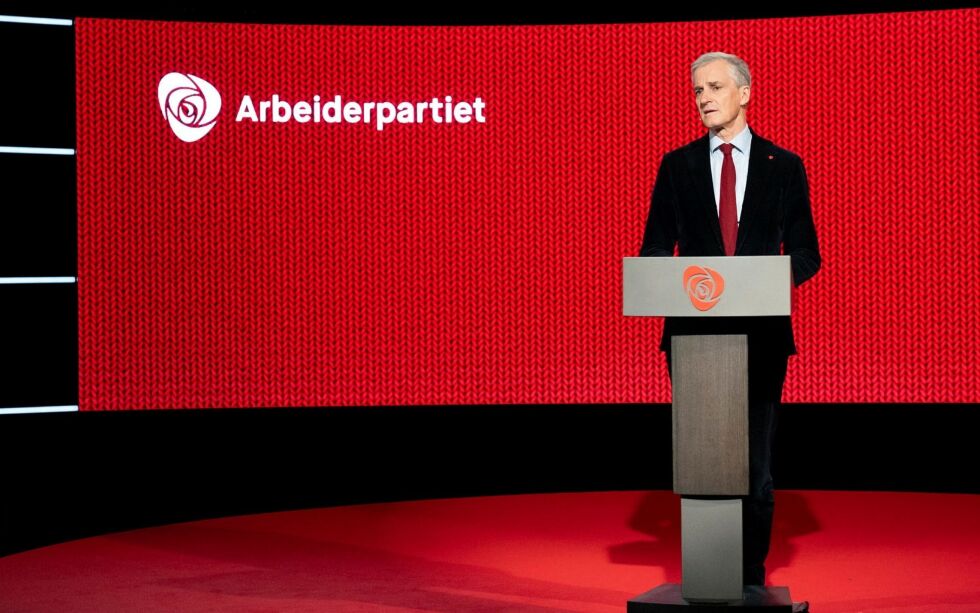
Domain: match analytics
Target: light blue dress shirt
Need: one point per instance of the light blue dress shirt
(740, 155)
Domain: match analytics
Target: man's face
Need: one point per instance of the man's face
(720, 101)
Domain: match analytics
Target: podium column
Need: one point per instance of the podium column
(711, 461)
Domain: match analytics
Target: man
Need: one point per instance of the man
(732, 192)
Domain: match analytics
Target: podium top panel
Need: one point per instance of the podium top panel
(707, 287)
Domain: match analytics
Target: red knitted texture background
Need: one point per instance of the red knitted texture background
(312, 264)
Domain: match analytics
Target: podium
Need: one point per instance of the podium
(710, 418)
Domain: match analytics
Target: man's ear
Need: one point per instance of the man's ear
(745, 91)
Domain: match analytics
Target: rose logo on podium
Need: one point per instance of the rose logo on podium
(190, 104)
(704, 286)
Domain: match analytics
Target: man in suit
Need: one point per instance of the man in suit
(732, 192)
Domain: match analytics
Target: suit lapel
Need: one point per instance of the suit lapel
(699, 164)
(760, 169)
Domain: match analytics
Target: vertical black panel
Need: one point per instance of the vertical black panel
(37, 107)
(38, 345)
(37, 217)
(38, 322)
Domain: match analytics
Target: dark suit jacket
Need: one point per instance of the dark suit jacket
(776, 220)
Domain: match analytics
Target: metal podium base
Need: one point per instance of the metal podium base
(667, 597)
(711, 549)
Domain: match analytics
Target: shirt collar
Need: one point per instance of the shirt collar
(741, 141)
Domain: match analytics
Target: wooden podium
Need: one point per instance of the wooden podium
(710, 413)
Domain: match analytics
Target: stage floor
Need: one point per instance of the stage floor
(842, 551)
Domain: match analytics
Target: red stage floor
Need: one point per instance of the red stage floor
(842, 551)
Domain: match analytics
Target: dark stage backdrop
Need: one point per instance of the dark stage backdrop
(284, 215)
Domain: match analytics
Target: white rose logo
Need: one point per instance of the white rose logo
(190, 105)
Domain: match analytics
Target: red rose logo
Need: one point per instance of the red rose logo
(704, 286)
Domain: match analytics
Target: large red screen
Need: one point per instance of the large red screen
(318, 259)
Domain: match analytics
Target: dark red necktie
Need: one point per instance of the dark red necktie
(727, 215)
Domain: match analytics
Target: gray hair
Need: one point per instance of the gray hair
(739, 69)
